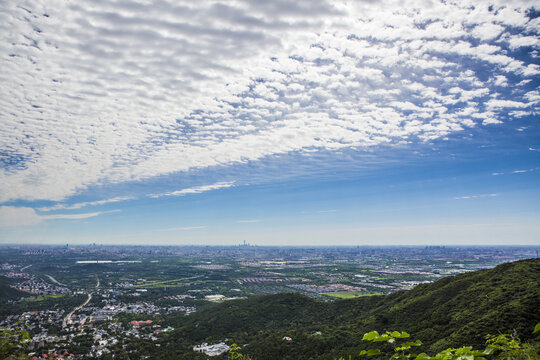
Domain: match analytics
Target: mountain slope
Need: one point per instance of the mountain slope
(457, 310)
(463, 308)
(7, 292)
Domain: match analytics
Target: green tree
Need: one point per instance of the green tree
(13, 343)
(235, 353)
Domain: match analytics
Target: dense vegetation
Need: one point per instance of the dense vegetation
(454, 311)
(7, 292)
(42, 302)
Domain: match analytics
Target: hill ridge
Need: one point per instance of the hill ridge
(455, 310)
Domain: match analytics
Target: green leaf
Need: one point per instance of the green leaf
(370, 335)
(373, 352)
(536, 328)
(382, 338)
(408, 345)
(477, 353)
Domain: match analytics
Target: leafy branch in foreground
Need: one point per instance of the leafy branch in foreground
(500, 347)
(13, 343)
(235, 353)
(400, 352)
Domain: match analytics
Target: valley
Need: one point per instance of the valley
(106, 301)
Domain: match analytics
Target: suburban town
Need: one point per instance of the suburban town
(101, 299)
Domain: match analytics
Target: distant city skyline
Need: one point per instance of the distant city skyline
(275, 123)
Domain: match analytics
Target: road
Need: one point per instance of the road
(26, 267)
(67, 319)
(54, 280)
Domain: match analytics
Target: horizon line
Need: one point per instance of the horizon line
(268, 246)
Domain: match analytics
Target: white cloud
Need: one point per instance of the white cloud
(533, 96)
(76, 216)
(195, 190)
(519, 114)
(524, 82)
(498, 104)
(13, 216)
(491, 121)
(248, 221)
(501, 80)
(487, 31)
(86, 203)
(95, 93)
(475, 196)
(516, 41)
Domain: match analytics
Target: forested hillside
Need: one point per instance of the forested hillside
(7, 292)
(454, 311)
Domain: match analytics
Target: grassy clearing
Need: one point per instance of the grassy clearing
(152, 286)
(42, 297)
(157, 282)
(349, 294)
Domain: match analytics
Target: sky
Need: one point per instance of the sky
(276, 122)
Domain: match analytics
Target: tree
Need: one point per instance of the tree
(12, 344)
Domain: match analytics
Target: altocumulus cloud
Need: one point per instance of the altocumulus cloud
(99, 92)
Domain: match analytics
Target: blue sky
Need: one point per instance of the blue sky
(278, 123)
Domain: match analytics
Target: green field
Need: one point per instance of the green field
(157, 283)
(349, 294)
(42, 297)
